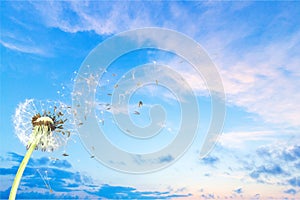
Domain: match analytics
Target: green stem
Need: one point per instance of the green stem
(21, 169)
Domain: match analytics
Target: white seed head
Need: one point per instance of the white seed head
(53, 120)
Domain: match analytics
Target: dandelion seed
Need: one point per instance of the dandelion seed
(101, 121)
(136, 113)
(40, 125)
(140, 104)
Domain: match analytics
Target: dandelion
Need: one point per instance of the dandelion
(40, 125)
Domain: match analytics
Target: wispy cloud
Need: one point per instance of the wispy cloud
(239, 139)
(102, 18)
(259, 74)
(24, 48)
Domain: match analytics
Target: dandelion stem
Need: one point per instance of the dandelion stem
(21, 169)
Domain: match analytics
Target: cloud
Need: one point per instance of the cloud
(210, 160)
(24, 48)
(208, 196)
(294, 181)
(291, 154)
(5, 193)
(162, 159)
(12, 156)
(43, 161)
(267, 170)
(265, 89)
(105, 191)
(290, 191)
(238, 190)
(116, 192)
(47, 180)
(288, 154)
(238, 139)
(105, 18)
(274, 164)
(61, 164)
(167, 158)
(43, 174)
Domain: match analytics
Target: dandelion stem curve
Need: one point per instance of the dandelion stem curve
(21, 169)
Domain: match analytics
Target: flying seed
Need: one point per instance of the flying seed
(140, 104)
(69, 133)
(136, 113)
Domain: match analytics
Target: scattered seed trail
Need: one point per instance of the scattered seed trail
(45, 180)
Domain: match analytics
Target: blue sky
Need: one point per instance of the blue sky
(254, 46)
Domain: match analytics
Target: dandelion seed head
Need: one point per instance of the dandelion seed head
(52, 119)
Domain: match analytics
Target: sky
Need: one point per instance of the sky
(254, 47)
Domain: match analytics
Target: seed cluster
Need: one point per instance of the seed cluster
(43, 128)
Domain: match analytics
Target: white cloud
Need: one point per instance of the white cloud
(22, 48)
(103, 18)
(266, 81)
(239, 139)
(262, 77)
